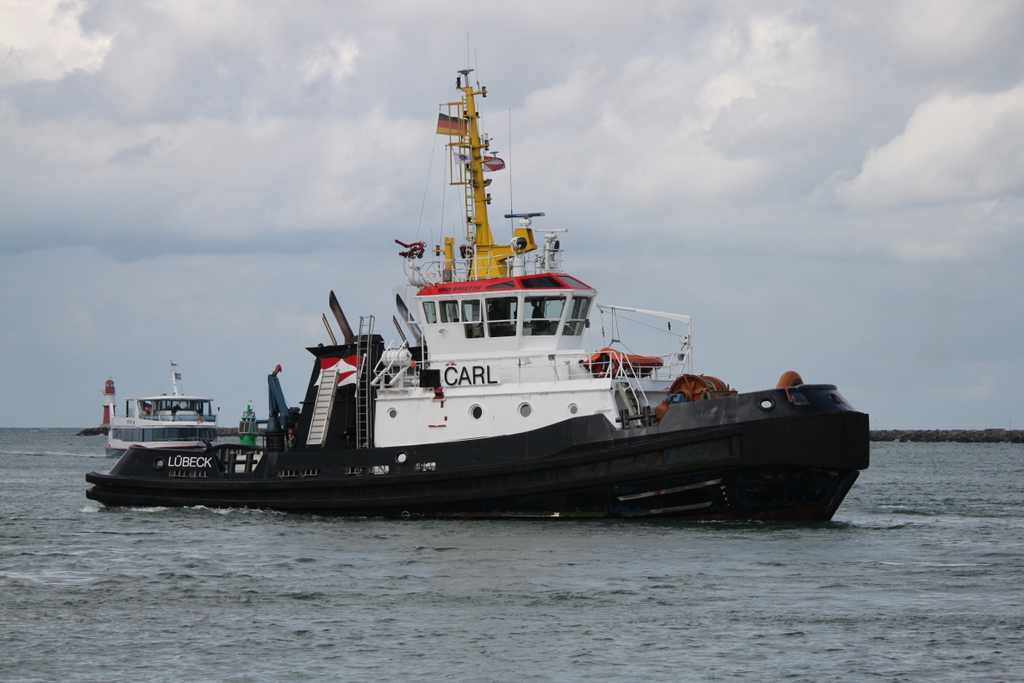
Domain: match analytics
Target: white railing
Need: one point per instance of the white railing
(531, 368)
(434, 272)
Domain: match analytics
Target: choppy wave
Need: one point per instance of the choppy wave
(917, 579)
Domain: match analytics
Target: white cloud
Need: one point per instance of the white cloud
(334, 60)
(954, 148)
(721, 115)
(44, 40)
(766, 52)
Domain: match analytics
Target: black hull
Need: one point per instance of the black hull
(791, 468)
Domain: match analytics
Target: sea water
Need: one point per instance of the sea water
(920, 577)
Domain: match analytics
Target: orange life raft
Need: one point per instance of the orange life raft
(609, 363)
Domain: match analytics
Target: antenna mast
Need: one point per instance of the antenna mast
(489, 258)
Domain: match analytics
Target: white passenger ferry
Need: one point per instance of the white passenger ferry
(177, 420)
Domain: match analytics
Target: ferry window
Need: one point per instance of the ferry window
(542, 314)
(471, 318)
(449, 311)
(502, 314)
(577, 319)
(430, 312)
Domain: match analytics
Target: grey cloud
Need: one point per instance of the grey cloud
(137, 152)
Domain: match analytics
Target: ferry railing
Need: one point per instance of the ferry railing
(179, 417)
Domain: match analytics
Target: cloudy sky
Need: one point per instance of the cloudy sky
(835, 188)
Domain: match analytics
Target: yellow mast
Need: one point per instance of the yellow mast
(489, 259)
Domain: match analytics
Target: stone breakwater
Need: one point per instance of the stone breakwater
(950, 435)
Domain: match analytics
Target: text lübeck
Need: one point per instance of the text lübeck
(190, 461)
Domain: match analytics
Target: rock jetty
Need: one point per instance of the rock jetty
(950, 435)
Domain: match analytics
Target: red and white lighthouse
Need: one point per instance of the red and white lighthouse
(108, 401)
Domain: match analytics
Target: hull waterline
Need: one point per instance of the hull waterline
(794, 469)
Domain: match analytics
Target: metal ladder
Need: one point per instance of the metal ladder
(322, 406)
(364, 409)
(633, 397)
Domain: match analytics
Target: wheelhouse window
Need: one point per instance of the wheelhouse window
(577, 319)
(541, 315)
(502, 315)
(472, 319)
(430, 312)
(541, 282)
(573, 282)
(449, 311)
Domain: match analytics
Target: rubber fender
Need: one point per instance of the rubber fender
(790, 378)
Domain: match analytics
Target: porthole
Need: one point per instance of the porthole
(158, 464)
(573, 409)
(835, 398)
(767, 404)
(525, 409)
(477, 412)
(392, 412)
(400, 458)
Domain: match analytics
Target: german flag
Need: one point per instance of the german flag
(450, 125)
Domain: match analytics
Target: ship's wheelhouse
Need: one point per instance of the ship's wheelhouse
(505, 314)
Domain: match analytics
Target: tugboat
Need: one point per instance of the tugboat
(491, 407)
(176, 422)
